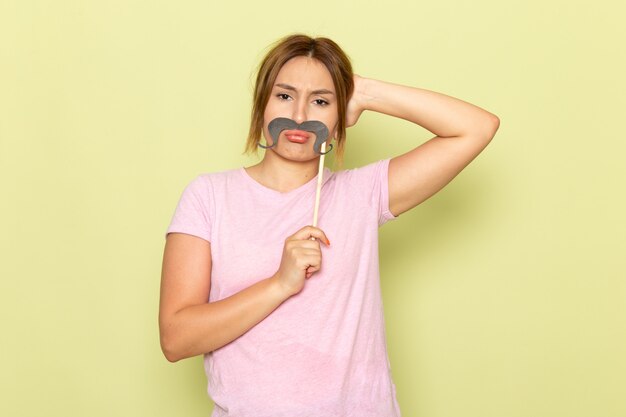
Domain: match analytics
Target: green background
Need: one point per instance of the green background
(504, 293)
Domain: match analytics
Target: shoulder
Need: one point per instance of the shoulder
(208, 180)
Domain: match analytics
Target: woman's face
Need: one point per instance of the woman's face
(303, 91)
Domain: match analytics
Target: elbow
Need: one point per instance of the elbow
(495, 121)
(171, 356)
(488, 129)
(170, 343)
(484, 128)
(173, 348)
(169, 350)
(492, 125)
(177, 342)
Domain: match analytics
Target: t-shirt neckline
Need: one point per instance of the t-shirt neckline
(311, 184)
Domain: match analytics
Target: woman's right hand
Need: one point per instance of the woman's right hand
(301, 258)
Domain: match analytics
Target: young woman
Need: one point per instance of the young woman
(288, 323)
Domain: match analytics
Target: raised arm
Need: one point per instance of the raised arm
(463, 130)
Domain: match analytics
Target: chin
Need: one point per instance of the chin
(299, 157)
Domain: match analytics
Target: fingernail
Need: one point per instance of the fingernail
(327, 242)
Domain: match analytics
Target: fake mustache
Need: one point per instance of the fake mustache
(314, 126)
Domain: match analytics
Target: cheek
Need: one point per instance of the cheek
(333, 125)
(272, 112)
(271, 107)
(334, 119)
(268, 116)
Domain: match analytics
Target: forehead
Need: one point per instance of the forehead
(304, 72)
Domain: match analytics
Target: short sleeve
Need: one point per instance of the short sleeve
(374, 178)
(194, 214)
(384, 215)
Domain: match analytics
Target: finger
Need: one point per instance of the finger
(310, 255)
(310, 233)
(311, 270)
(299, 245)
(309, 246)
(312, 264)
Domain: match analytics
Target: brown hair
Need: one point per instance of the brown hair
(322, 49)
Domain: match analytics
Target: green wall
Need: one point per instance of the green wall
(504, 293)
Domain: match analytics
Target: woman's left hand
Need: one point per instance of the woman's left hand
(355, 104)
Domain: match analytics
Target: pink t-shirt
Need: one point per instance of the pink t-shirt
(323, 351)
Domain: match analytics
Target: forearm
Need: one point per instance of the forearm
(442, 115)
(203, 328)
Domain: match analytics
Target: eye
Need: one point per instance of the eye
(283, 96)
(321, 102)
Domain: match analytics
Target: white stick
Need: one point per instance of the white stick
(320, 174)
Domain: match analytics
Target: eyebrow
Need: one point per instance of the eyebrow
(292, 88)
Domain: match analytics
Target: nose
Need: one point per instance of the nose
(299, 111)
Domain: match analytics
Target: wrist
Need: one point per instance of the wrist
(277, 289)
(363, 92)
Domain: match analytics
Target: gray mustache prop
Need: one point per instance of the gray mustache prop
(314, 126)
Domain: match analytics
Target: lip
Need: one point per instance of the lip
(297, 136)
